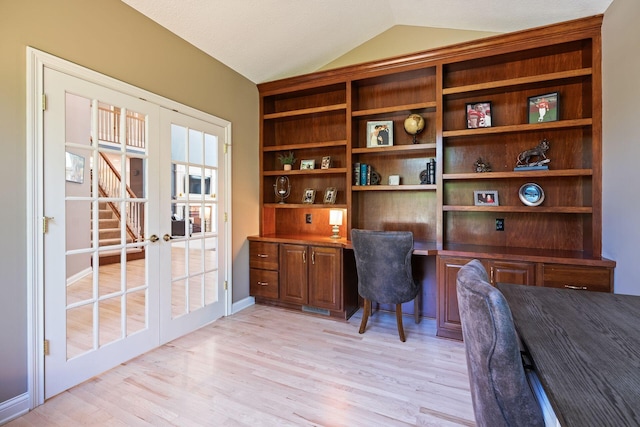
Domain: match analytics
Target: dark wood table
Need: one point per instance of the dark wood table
(585, 348)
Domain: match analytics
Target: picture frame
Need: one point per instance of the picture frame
(485, 198)
(531, 194)
(326, 162)
(307, 164)
(543, 108)
(478, 114)
(309, 196)
(380, 134)
(330, 195)
(74, 168)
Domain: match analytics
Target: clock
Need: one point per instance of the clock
(531, 194)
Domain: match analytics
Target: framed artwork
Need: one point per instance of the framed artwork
(326, 162)
(478, 115)
(330, 195)
(74, 168)
(544, 108)
(485, 198)
(309, 196)
(307, 164)
(380, 134)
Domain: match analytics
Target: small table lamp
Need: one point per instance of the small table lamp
(335, 219)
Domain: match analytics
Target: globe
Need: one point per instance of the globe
(413, 125)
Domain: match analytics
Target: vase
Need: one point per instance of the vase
(287, 167)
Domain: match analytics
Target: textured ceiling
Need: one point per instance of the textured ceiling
(269, 39)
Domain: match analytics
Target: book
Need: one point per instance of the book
(356, 173)
(363, 174)
(432, 171)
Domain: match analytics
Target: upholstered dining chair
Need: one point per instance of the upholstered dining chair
(383, 264)
(499, 389)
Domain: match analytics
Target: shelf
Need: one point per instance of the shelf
(561, 124)
(304, 206)
(305, 111)
(394, 109)
(396, 149)
(329, 171)
(414, 187)
(306, 145)
(518, 81)
(511, 175)
(520, 209)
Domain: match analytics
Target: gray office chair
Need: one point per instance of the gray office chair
(499, 388)
(383, 264)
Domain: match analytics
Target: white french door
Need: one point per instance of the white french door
(134, 231)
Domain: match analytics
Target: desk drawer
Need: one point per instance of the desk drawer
(263, 255)
(263, 283)
(578, 277)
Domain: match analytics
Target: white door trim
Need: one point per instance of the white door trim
(36, 62)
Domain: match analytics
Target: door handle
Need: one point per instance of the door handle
(153, 238)
(167, 237)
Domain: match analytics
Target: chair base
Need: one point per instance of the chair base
(367, 312)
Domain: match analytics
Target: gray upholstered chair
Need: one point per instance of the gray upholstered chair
(383, 264)
(499, 388)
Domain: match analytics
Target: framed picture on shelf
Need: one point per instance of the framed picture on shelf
(478, 115)
(330, 195)
(307, 164)
(380, 134)
(544, 108)
(74, 168)
(326, 162)
(309, 196)
(485, 198)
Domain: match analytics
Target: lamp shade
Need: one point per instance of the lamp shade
(335, 217)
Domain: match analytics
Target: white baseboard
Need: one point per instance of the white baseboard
(84, 273)
(14, 408)
(242, 304)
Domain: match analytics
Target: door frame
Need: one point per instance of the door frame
(36, 62)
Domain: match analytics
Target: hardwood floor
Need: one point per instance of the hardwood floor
(267, 366)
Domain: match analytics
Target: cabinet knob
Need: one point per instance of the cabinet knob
(577, 288)
(263, 283)
(263, 256)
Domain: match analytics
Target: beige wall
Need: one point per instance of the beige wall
(109, 37)
(621, 142)
(404, 39)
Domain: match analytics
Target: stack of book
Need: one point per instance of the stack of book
(428, 176)
(361, 174)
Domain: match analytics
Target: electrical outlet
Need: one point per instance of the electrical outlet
(308, 218)
(499, 224)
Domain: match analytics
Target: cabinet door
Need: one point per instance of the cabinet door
(293, 273)
(576, 277)
(263, 283)
(448, 315)
(325, 286)
(263, 255)
(517, 273)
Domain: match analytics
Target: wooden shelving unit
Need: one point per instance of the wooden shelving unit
(326, 114)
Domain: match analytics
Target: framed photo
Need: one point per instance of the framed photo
(307, 164)
(478, 115)
(485, 198)
(544, 108)
(380, 134)
(531, 194)
(326, 162)
(74, 168)
(330, 195)
(309, 196)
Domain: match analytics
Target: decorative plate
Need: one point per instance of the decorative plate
(531, 194)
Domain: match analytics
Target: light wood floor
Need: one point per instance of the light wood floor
(267, 366)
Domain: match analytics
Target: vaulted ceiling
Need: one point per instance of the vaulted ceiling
(268, 39)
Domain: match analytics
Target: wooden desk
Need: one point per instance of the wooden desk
(586, 350)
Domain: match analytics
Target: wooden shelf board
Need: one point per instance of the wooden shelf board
(561, 124)
(514, 174)
(394, 109)
(306, 145)
(414, 187)
(518, 81)
(304, 206)
(520, 209)
(396, 148)
(306, 172)
(305, 111)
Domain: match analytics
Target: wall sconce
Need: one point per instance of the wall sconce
(335, 219)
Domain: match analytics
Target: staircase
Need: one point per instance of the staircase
(109, 234)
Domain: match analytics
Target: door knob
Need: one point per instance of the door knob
(166, 237)
(154, 238)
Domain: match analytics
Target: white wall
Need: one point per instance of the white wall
(621, 142)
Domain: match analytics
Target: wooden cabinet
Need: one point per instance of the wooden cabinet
(263, 269)
(516, 272)
(575, 277)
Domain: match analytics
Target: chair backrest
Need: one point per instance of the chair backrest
(383, 264)
(499, 388)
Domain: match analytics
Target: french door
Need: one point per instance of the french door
(132, 227)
